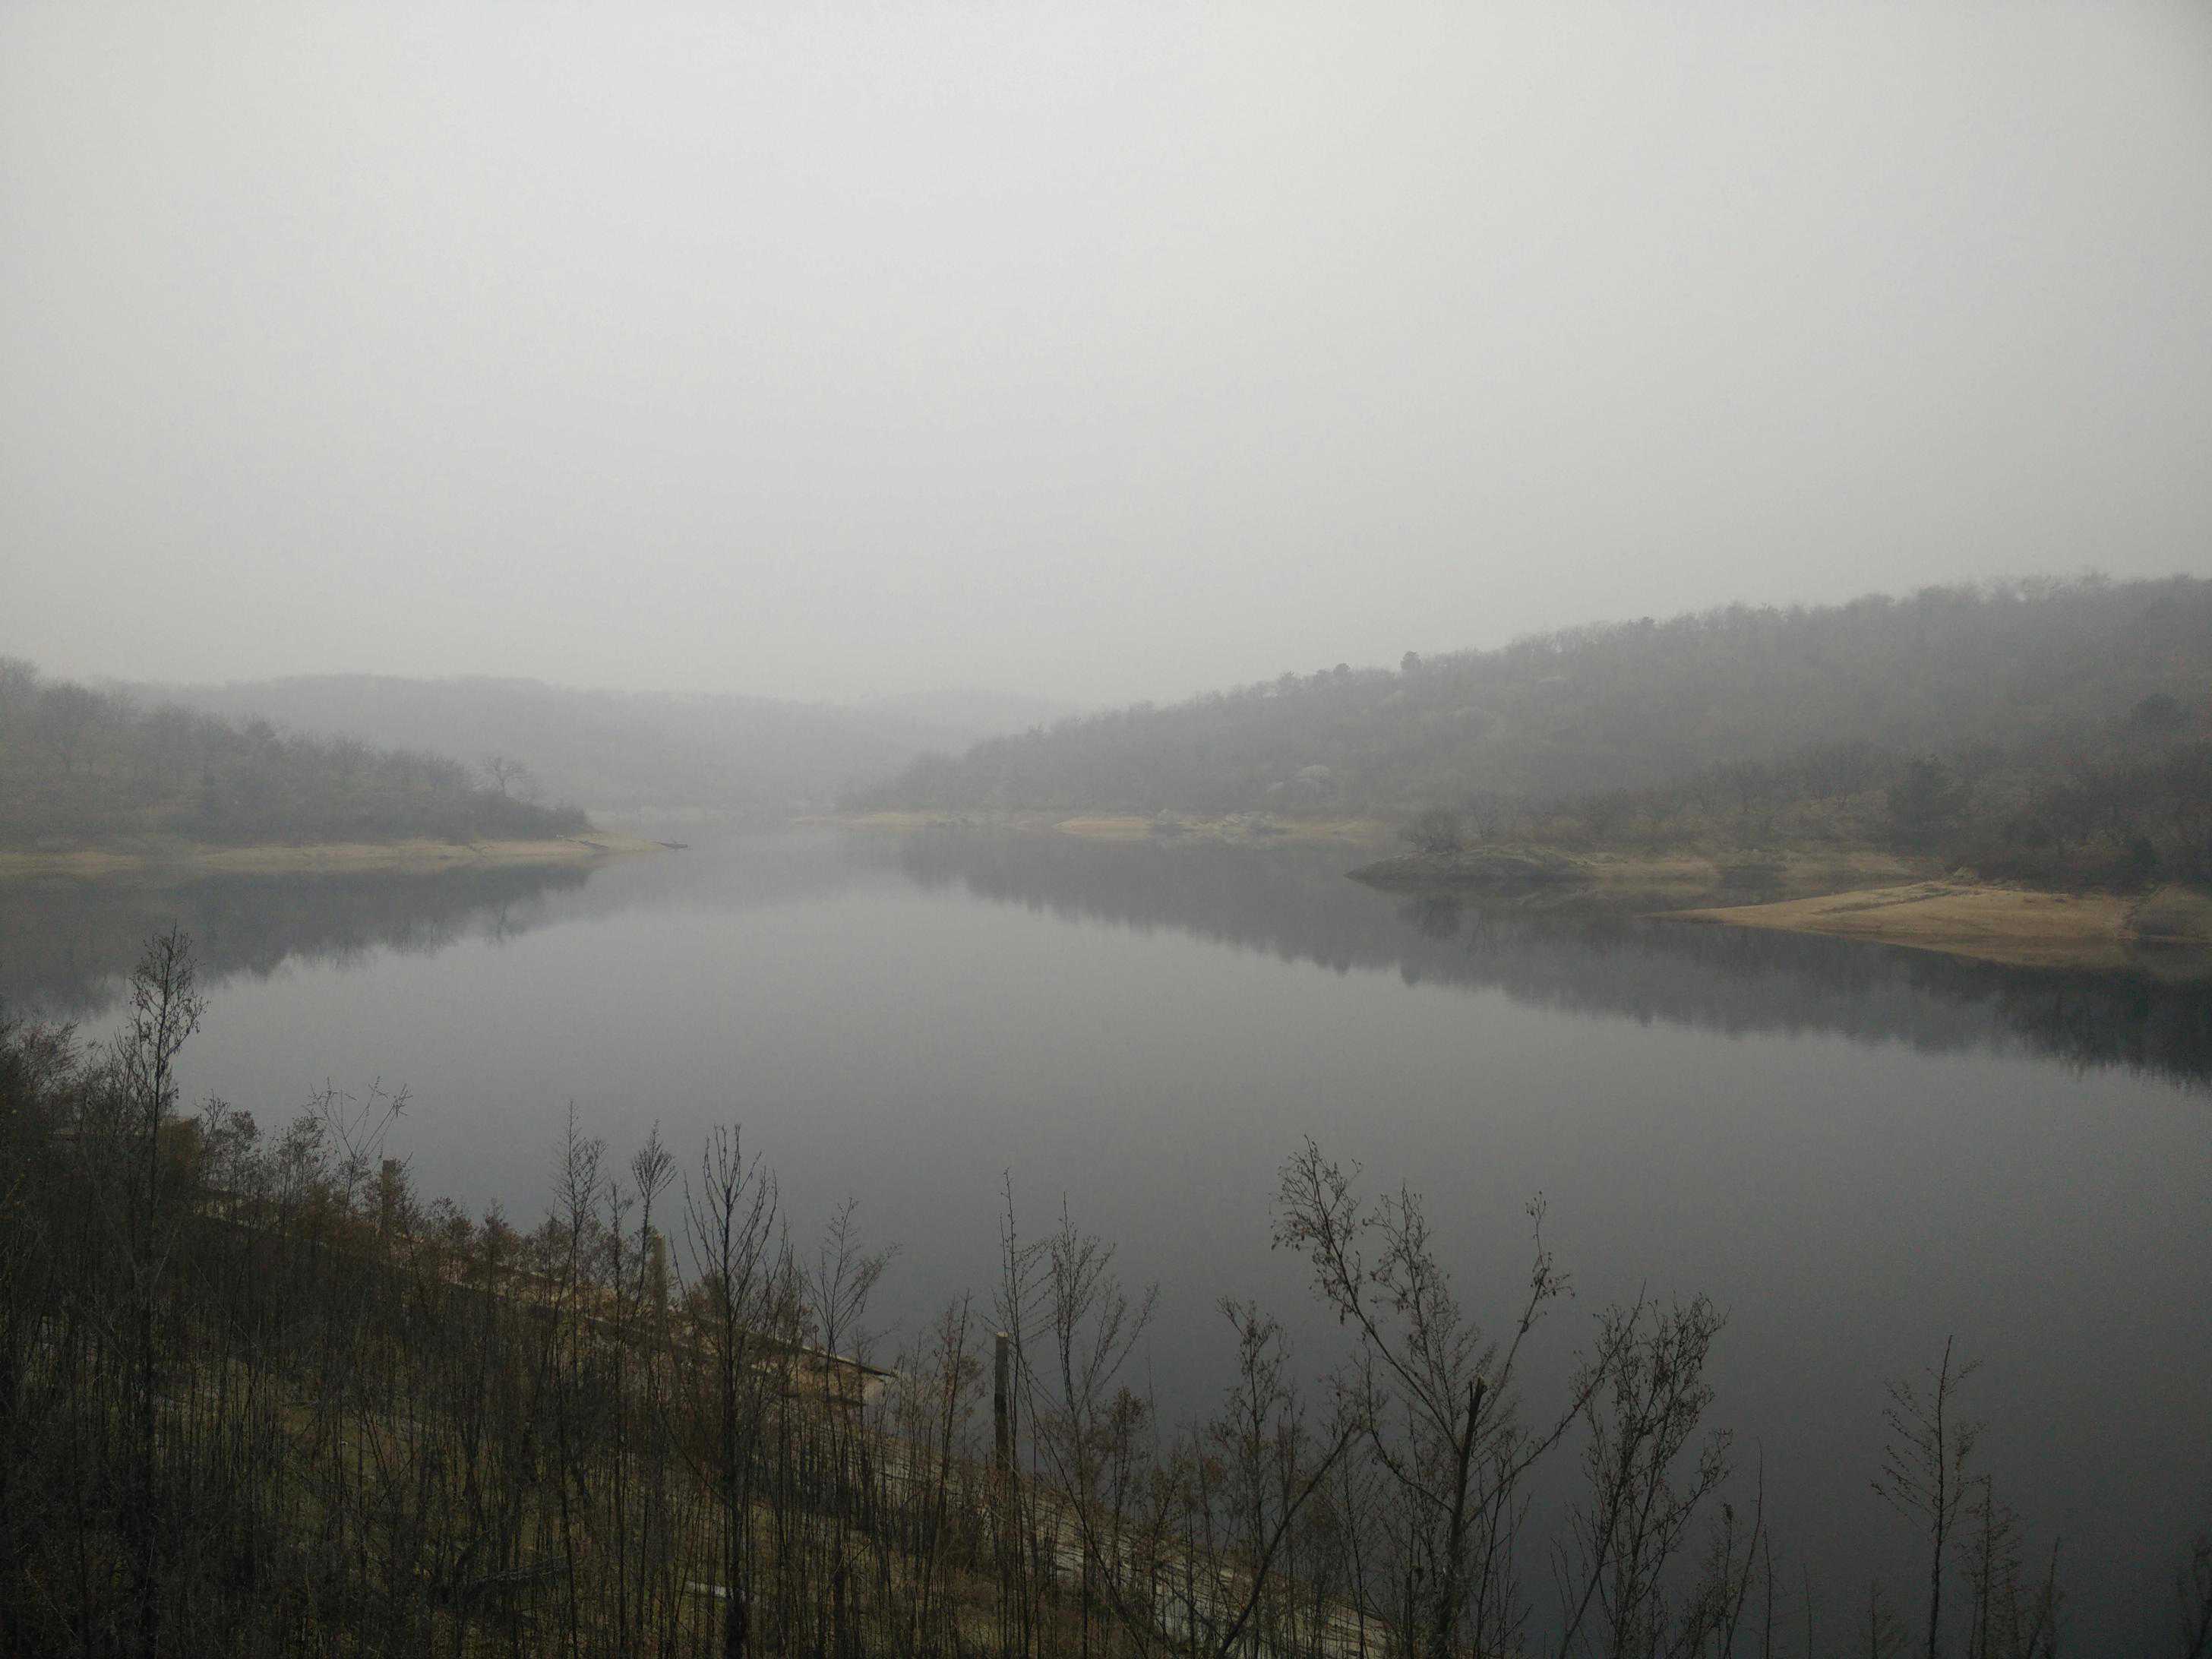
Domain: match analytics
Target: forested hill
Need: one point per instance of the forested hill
(79, 766)
(1631, 705)
(626, 751)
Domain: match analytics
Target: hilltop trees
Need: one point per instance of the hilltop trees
(510, 777)
(82, 765)
(1925, 801)
(2049, 671)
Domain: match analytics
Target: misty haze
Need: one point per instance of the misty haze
(1215, 833)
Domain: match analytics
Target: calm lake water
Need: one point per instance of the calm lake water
(1856, 1151)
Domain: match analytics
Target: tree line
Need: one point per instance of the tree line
(2043, 671)
(2126, 804)
(258, 1395)
(81, 765)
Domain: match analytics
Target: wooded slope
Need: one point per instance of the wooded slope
(81, 766)
(1631, 705)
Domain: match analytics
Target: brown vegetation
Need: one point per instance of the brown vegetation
(257, 1397)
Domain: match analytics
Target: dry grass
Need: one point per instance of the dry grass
(2179, 916)
(1258, 828)
(1665, 880)
(1107, 827)
(1992, 924)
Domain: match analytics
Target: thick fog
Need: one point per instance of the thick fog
(1101, 352)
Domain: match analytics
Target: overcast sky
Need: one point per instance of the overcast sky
(1108, 351)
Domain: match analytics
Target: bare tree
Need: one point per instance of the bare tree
(1079, 1417)
(2009, 1617)
(1437, 1399)
(1274, 1465)
(511, 777)
(837, 1286)
(732, 1216)
(166, 1009)
(936, 1399)
(2193, 1589)
(1924, 1471)
(1885, 1633)
(1635, 1519)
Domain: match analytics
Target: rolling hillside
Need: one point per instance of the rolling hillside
(1634, 705)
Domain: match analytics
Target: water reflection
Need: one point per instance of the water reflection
(67, 943)
(1555, 953)
(64, 945)
(890, 1018)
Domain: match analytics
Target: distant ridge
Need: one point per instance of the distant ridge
(1623, 706)
(83, 768)
(618, 752)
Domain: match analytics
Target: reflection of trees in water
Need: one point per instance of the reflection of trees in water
(64, 946)
(1299, 907)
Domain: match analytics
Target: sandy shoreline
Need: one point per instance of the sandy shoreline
(2010, 925)
(412, 856)
(1860, 894)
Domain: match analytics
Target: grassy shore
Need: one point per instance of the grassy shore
(1667, 880)
(87, 863)
(2171, 928)
(1850, 894)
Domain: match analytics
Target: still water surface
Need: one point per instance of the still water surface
(1856, 1151)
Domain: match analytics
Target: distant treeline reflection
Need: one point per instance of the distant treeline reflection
(65, 946)
(68, 945)
(1296, 906)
